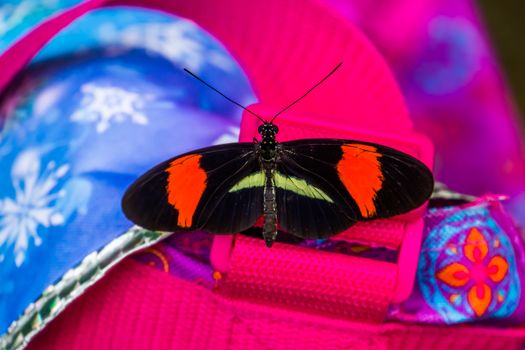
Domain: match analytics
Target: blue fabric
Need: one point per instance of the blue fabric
(18, 17)
(102, 103)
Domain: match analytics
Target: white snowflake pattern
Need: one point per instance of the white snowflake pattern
(105, 104)
(179, 41)
(33, 204)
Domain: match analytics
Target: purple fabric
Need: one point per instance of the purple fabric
(185, 255)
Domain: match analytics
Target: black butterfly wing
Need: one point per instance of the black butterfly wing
(193, 191)
(344, 182)
(308, 204)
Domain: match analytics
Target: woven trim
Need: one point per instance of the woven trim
(73, 283)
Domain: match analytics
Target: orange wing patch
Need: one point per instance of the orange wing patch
(186, 184)
(360, 172)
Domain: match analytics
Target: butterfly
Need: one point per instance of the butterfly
(310, 188)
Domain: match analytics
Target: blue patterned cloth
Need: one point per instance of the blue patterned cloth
(103, 102)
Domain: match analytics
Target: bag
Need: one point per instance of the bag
(290, 296)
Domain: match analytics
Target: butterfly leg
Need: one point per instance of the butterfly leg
(269, 209)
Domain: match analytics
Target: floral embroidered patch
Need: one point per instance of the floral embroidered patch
(468, 267)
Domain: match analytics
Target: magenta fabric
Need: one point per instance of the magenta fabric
(137, 307)
(442, 57)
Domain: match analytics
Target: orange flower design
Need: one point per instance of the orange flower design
(477, 274)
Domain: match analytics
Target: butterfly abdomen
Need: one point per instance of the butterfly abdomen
(269, 209)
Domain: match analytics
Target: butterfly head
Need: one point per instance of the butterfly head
(268, 130)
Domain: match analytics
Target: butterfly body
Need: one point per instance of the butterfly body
(311, 188)
(269, 150)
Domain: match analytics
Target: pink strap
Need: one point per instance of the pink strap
(320, 282)
(335, 285)
(283, 51)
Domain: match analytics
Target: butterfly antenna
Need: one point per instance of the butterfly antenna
(223, 95)
(307, 92)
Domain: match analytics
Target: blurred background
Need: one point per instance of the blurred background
(505, 24)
